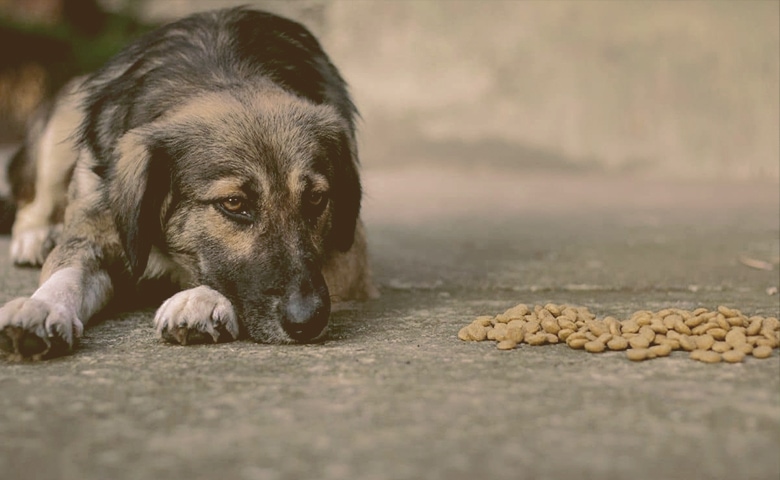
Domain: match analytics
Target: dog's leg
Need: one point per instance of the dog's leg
(197, 315)
(50, 321)
(38, 223)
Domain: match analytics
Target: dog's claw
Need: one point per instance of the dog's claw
(197, 315)
(26, 330)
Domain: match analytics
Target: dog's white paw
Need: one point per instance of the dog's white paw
(31, 246)
(197, 315)
(31, 328)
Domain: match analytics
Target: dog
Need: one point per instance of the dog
(216, 153)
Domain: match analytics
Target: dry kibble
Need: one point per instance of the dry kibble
(721, 347)
(657, 326)
(604, 338)
(617, 343)
(630, 326)
(673, 343)
(687, 343)
(536, 339)
(766, 342)
(550, 325)
(754, 327)
(733, 356)
(639, 342)
(568, 323)
(703, 328)
(564, 333)
(506, 344)
(662, 350)
(515, 324)
(595, 346)
(681, 327)
(695, 321)
(596, 327)
(463, 334)
(723, 334)
(518, 311)
(717, 333)
(531, 327)
(639, 354)
(735, 337)
(613, 325)
(514, 333)
(728, 312)
(707, 356)
(552, 308)
(705, 342)
(647, 332)
(762, 352)
(477, 332)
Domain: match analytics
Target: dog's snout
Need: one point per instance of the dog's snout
(306, 312)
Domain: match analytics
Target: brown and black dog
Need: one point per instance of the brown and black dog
(217, 152)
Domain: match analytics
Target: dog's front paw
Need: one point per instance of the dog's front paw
(33, 329)
(197, 315)
(31, 246)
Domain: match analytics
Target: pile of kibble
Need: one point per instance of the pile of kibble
(711, 336)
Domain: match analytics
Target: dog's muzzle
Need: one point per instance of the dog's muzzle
(306, 310)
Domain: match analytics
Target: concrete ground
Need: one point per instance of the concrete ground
(393, 394)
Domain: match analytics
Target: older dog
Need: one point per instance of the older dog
(218, 152)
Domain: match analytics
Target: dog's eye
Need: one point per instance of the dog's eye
(315, 202)
(233, 204)
(235, 208)
(315, 199)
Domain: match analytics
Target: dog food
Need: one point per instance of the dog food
(710, 336)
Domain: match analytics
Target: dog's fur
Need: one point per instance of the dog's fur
(218, 152)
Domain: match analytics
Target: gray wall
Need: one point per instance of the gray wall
(684, 89)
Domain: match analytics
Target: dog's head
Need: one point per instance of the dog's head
(250, 194)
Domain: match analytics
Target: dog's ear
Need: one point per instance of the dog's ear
(139, 184)
(345, 192)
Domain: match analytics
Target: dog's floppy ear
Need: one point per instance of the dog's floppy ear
(139, 183)
(345, 192)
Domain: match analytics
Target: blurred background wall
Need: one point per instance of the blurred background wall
(667, 88)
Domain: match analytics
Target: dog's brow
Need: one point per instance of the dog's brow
(224, 187)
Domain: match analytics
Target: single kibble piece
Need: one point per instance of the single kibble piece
(687, 343)
(477, 332)
(536, 339)
(506, 345)
(564, 333)
(717, 333)
(595, 346)
(463, 334)
(662, 350)
(762, 351)
(733, 356)
(639, 354)
(576, 343)
(518, 311)
(705, 342)
(617, 343)
(721, 347)
(514, 333)
(639, 342)
(708, 356)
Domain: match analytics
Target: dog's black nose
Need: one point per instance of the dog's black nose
(306, 312)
